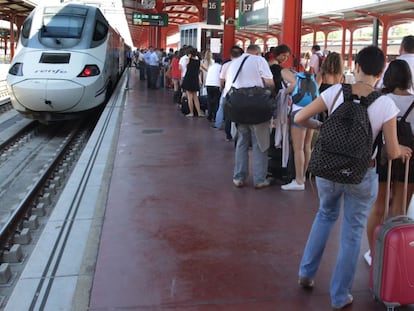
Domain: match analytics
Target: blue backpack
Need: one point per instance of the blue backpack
(306, 89)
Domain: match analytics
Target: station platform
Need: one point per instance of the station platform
(178, 235)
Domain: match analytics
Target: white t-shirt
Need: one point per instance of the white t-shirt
(314, 61)
(379, 112)
(183, 65)
(213, 75)
(223, 74)
(254, 70)
(403, 103)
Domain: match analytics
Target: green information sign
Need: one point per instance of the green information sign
(256, 17)
(145, 19)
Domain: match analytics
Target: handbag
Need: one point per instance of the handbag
(249, 105)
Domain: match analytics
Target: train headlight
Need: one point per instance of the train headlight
(90, 71)
(16, 69)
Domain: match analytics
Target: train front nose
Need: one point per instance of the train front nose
(48, 94)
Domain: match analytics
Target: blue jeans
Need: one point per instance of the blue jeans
(220, 113)
(245, 134)
(357, 201)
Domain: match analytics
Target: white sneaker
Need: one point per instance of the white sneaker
(367, 257)
(238, 183)
(293, 185)
(189, 115)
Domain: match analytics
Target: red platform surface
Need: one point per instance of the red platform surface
(179, 236)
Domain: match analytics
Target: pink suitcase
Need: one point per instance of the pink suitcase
(392, 269)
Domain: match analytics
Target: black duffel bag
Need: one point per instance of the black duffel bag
(249, 105)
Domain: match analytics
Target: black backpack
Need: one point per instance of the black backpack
(344, 147)
(404, 131)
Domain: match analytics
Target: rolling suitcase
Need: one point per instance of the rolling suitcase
(392, 269)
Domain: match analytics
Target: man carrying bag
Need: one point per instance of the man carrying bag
(255, 73)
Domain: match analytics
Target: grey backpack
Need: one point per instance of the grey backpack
(344, 147)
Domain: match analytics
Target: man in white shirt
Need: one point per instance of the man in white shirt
(315, 60)
(213, 88)
(235, 52)
(255, 72)
(147, 59)
(407, 54)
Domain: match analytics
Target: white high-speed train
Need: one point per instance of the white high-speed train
(67, 62)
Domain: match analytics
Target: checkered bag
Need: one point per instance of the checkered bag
(345, 145)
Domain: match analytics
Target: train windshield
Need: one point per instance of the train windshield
(63, 22)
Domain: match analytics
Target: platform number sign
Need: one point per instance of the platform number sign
(213, 12)
(246, 6)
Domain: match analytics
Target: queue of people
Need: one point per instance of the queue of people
(363, 204)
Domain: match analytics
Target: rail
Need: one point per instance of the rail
(4, 93)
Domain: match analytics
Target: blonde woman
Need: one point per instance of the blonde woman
(332, 71)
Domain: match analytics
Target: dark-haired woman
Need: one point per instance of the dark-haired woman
(281, 54)
(191, 82)
(397, 83)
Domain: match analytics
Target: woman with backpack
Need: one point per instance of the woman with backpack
(356, 198)
(304, 90)
(397, 82)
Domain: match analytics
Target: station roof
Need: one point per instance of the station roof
(191, 11)
(19, 8)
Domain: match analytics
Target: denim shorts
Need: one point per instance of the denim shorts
(292, 117)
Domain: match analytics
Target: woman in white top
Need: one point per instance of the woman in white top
(397, 83)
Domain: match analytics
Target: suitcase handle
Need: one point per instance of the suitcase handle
(399, 218)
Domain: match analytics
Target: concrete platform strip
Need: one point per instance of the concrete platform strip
(59, 267)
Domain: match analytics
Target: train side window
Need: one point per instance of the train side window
(101, 30)
(27, 25)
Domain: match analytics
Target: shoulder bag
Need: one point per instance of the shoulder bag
(249, 105)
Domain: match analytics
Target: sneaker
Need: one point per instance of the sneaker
(306, 283)
(189, 115)
(293, 185)
(264, 184)
(201, 115)
(367, 257)
(238, 183)
(348, 302)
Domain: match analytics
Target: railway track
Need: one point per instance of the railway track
(60, 207)
(35, 162)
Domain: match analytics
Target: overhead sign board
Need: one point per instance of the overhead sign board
(145, 19)
(213, 12)
(257, 17)
(245, 6)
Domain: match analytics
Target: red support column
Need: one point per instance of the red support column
(343, 42)
(385, 28)
(291, 28)
(351, 43)
(326, 34)
(163, 37)
(12, 39)
(229, 27)
(158, 37)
